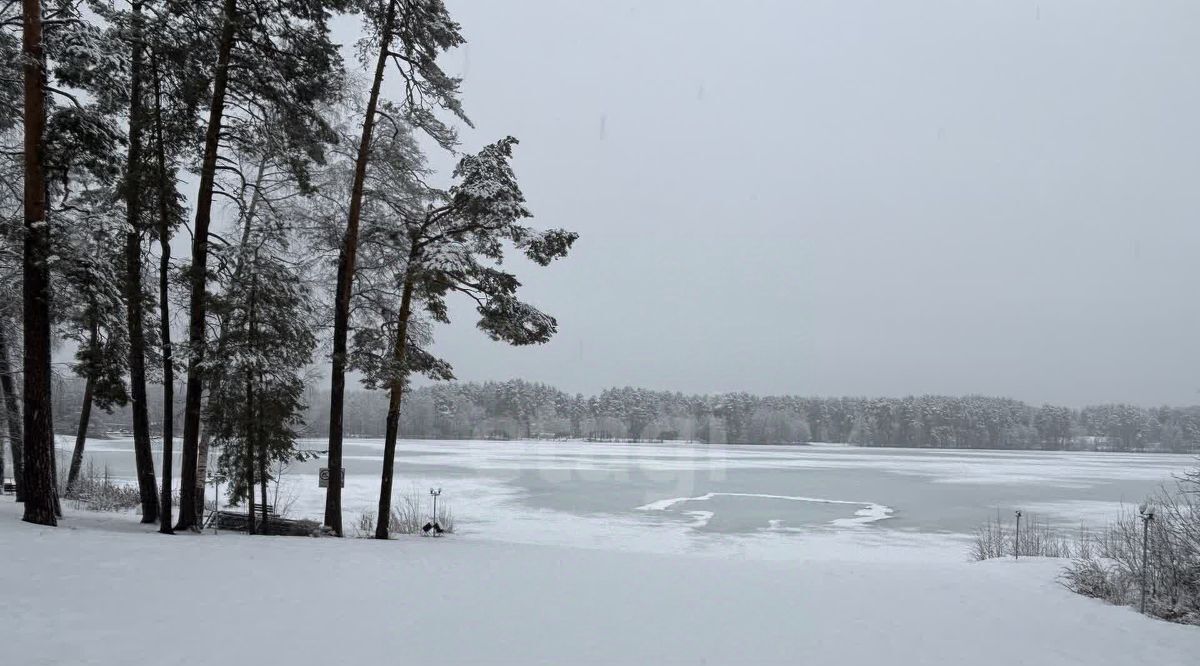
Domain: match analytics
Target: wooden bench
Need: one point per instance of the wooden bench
(239, 522)
(10, 487)
(263, 511)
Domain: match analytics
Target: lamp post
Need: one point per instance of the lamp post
(435, 494)
(1147, 513)
(1017, 541)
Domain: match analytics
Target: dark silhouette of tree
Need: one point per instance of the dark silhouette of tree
(411, 34)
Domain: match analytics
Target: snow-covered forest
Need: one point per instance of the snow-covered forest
(517, 409)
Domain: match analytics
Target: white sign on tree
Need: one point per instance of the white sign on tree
(323, 478)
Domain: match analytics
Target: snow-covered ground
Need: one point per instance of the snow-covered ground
(573, 552)
(103, 589)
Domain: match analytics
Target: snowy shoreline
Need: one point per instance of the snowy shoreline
(82, 592)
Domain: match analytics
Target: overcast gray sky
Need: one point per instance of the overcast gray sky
(850, 196)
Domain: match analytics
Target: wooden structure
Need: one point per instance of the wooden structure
(275, 526)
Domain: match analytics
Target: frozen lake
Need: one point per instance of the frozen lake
(770, 501)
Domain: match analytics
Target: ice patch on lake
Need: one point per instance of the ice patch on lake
(868, 513)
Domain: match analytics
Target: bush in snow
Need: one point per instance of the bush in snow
(1114, 571)
(95, 491)
(364, 527)
(1093, 578)
(408, 516)
(998, 538)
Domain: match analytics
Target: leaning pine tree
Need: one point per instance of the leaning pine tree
(411, 34)
(455, 244)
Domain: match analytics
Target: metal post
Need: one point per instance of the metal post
(217, 507)
(211, 479)
(1147, 512)
(1017, 541)
(435, 496)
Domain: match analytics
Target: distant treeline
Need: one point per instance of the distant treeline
(519, 409)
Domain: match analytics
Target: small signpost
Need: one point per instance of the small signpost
(323, 478)
(1017, 541)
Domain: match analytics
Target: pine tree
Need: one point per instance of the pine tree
(454, 245)
(134, 292)
(38, 475)
(69, 155)
(12, 409)
(11, 222)
(266, 341)
(90, 309)
(106, 60)
(411, 34)
(170, 215)
(273, 59)
(178, 77)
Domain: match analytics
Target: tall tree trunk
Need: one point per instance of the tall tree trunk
(12, 413)
(39, 442)
(199, 278)
(248, 453)
(38, 473)
(255, 426)
(201, 478)
(252, 439)
(164, 309)
(54, 475)
(393, 414)
(85, 415)
(345, 284)
(262, 484)
(143, 456)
